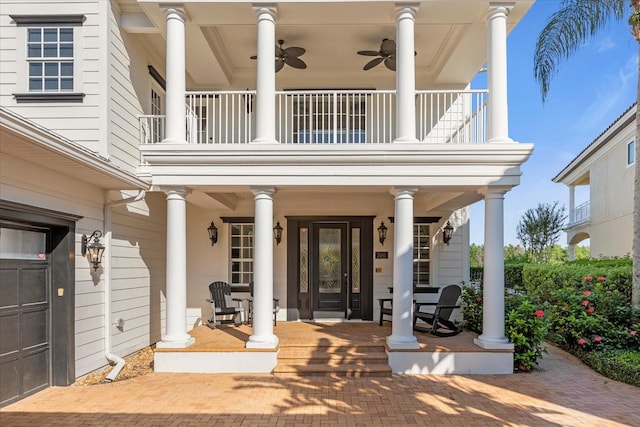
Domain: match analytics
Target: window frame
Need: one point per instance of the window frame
(417, 236)
(242, 259)
(43, 22)
(631, 152)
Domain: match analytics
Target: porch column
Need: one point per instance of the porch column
(493, 282)
(405, 73)
(402, 323)
(176, 118)
(266, 75)
(497, 109)
(263, 336)
(176, 279)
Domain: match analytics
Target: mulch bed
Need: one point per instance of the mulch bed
(136, 364)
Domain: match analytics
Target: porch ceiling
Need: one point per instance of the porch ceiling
(450, 40)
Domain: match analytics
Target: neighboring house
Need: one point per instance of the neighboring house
(607, 167)
(133, 118)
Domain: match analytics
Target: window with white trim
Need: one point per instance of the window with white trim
(50, 59)
(241, 254)
(421, 260)
(631, 153)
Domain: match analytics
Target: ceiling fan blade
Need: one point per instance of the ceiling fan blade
(368, 53)
(279, 64)
(294, 51)
(388, 47)
(254, 57)
(373, 63)
(390, 62)
(295, 62)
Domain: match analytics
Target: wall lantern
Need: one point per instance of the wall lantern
(277, 233)
(213, 233)
(447, 232)
(93, 247)
(382, 233)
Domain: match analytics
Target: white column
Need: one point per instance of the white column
(266, 76)
(572, 203)
(405, 73)
(497, 108)
(176, 278)
(493, 282)
(176, 120)
(402, 323)
(263, 336)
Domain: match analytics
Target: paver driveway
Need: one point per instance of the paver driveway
(562, 392)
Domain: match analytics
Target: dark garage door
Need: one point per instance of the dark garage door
(25, 359)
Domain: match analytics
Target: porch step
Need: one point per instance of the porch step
(340, 361)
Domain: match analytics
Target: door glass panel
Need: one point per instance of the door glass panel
(304, 260)
(355, 260)
(22, 244)
(330, 260)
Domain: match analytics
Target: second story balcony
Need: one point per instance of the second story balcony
(579, 215)
(328, 117)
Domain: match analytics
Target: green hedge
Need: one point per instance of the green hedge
(512, 275)
(620, 365)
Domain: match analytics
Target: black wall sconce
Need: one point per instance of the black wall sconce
(277, 233)
(382, 233)
(213, 233)
(447, 232)
(93, 247)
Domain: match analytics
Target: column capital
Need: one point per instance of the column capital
(171, 192)
(266, 11)
(406, 8)
(263, 192)
(493, 193)
(499, 8)
(175, 12)
(403, 193)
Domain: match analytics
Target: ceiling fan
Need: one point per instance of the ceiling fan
(288, 56)
(387, 53)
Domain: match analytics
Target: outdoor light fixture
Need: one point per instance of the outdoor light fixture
(447, 232)
(213, 233)
(93, 247)
(277, 233)
(382, 233)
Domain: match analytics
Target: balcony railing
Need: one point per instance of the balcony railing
(328, 117)
(579, 214)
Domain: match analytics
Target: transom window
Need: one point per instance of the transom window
(421, 248)
(241, 254)
(50, 59)
(631, 153)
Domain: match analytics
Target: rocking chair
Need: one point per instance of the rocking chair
(222, 305)
(438, 322)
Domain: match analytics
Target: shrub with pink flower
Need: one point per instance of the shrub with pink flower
(585, 303)
(590, 310)
(633, 333)
(598, 338)
(581, 341)
(586, 293)
(588, 279)
(601, 279)
(539, 313)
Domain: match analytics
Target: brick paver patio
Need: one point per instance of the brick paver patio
(562, 392)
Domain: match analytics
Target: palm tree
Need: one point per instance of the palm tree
(565, 32)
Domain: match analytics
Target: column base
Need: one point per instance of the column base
(267, 341)
(500, 140)
(402, 342)
(405, 141)
(173, 141)
(493, 343)
(176, 342)
(264, 141)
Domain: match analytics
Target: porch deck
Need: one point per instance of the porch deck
(223, 350)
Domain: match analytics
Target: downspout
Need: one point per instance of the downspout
(119, 361)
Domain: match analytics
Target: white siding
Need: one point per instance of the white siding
(138, 253)
(79, 122)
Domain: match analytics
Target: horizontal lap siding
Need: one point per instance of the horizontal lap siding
(128, 94)
(138, 273)
(79, 122)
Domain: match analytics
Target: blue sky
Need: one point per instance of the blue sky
(590, 90)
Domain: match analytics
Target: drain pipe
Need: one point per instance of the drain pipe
(119, 361)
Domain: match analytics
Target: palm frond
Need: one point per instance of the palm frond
(567, 30)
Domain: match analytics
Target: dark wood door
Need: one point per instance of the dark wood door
(24, 328)
(329, 278)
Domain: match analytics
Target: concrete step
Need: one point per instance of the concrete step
(365, 370)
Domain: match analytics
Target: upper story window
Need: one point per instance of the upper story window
(51, 58)
(631, 153)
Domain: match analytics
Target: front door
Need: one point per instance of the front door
(329, 278)
(330, 267)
